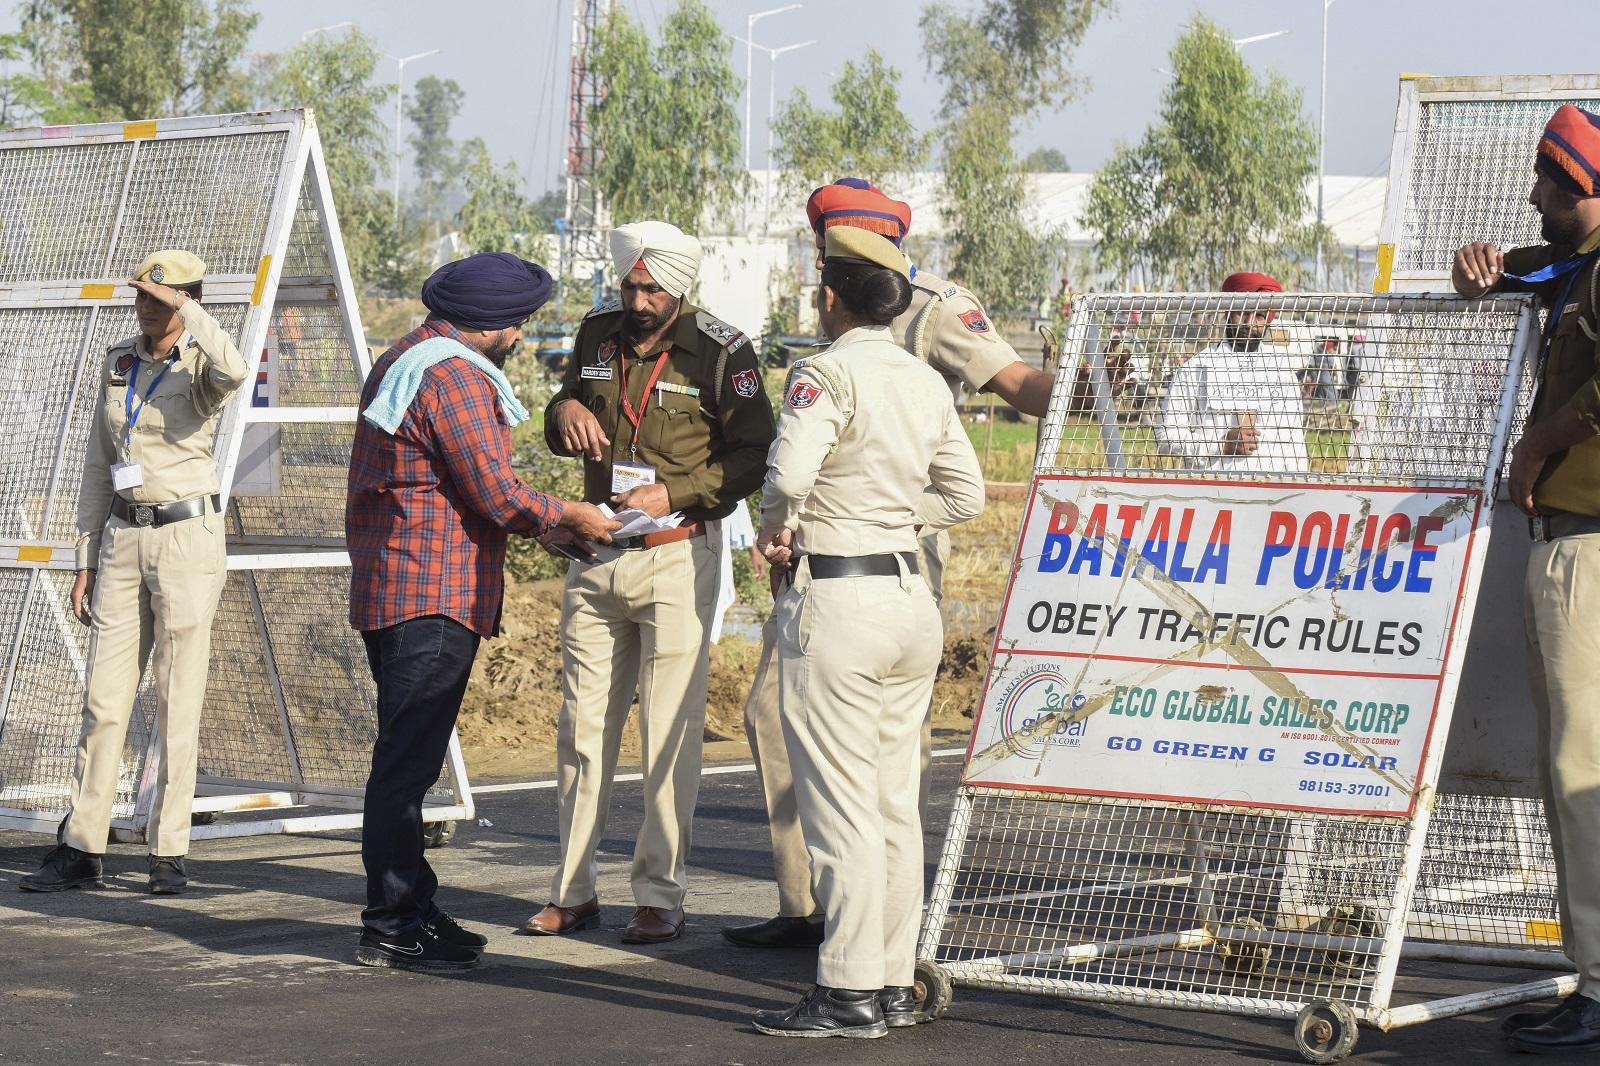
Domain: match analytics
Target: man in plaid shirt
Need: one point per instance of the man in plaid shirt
(431, 501)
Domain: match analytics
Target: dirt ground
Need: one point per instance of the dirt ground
(508, 722)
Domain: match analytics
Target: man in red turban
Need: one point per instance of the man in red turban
(1236, 407)
(1555, 478)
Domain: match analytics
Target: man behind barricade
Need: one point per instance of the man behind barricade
(1555, 479)
(664, 403)
(1236, 407)
(948, 329)
(432, 497)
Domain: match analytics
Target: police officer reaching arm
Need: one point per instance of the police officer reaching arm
(151, 565)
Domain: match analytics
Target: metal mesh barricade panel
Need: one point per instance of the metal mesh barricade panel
(308, 248)
(1217, 867)
(241, 730)
(212, 196)
(40, 353)
(57, 205)
(1471, 169)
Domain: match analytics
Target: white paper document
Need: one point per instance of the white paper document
(636, 523)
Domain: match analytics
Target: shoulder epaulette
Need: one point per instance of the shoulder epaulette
(604, 308)
(724, 334)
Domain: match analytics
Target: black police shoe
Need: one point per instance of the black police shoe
(418, 950)
(899, 1006)
(828, 1011)
(168, 876)
(64, 867)
(448, 930)
(1573, 1030)
(779, 932)
(1532, 1019)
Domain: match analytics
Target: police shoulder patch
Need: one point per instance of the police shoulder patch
(605, 308)
(746, 383)
(802, 394)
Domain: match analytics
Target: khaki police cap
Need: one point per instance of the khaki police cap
(171, 266)
(849, 242)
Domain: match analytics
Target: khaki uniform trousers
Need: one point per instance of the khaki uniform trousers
(156, 589)
(791, 866)
(1562, 615)
(634, 621)
(858, 657)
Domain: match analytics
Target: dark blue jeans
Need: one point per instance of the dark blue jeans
(421, 667)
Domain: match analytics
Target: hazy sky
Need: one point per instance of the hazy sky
(510, 57)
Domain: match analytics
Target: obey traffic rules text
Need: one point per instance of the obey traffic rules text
(1278, 646)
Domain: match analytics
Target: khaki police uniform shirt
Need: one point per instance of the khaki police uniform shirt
(1570, 480)
(948, 329)
(173, 436)
(709, 453)
(869, 447)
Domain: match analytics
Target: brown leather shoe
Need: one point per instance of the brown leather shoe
(559, 921)
(653, 925)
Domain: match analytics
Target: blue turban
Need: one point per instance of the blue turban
(490, 290)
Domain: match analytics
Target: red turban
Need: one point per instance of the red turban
(858, 203)
(1569, 151)
(1247, 281)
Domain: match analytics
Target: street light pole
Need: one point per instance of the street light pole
(749, 61)
(399, 100)
(1322, 144)
(306, 36)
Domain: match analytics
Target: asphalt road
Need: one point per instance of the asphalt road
(252, 967)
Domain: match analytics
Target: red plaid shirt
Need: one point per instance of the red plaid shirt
(429, 508)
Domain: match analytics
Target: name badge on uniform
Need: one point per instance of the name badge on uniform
(596, 373)
(126, 475)
(628, 476)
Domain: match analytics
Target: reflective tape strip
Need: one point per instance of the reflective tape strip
(1385, 268)
(1549, 932)
(34, 553)
(96, 292)
(138, 131)
(261, 279)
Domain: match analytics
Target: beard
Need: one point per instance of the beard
(1244, 338)
(637, 324)
(1561, 227)
(499, 353)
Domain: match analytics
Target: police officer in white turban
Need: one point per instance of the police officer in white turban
(663, 402)
(151, 564)
(870, 451)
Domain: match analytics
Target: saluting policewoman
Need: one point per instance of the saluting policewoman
(869, 452)
(151, 564)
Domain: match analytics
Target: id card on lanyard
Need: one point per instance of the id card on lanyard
(625, 476)
(128, 474)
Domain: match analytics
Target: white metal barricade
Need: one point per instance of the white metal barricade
(288, 720)
(1203, 772)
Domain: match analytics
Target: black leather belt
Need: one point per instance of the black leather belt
(887, 565)
(156, 515)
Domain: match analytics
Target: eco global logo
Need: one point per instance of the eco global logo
(1036, 710)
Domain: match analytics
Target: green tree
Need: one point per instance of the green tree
(24, 98)
(1218, 183)
(668, 127)
(129, 59)
(496, 216)
(1001, 64)
(332, 74)
(1045, 161)
(433, 107)
(865, 134)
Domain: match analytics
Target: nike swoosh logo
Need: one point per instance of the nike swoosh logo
(400, 950)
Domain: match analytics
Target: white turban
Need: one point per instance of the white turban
(670, 255)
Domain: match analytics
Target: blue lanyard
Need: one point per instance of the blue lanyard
(1568, 268)
(133, 381)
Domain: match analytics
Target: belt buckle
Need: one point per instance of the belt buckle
(144, 514)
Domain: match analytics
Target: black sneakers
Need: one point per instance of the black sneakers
(420, 950)
(64, 867)
(899, 1006)
(168, 876)
(828, 1012)
(446, 929)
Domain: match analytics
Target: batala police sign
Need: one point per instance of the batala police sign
(1278, 646)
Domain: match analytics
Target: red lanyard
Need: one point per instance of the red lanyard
(637, 417)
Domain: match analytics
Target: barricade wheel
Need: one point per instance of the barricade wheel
(1325, 1031)
(203, 818)
(934, 990)
(438, 834)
